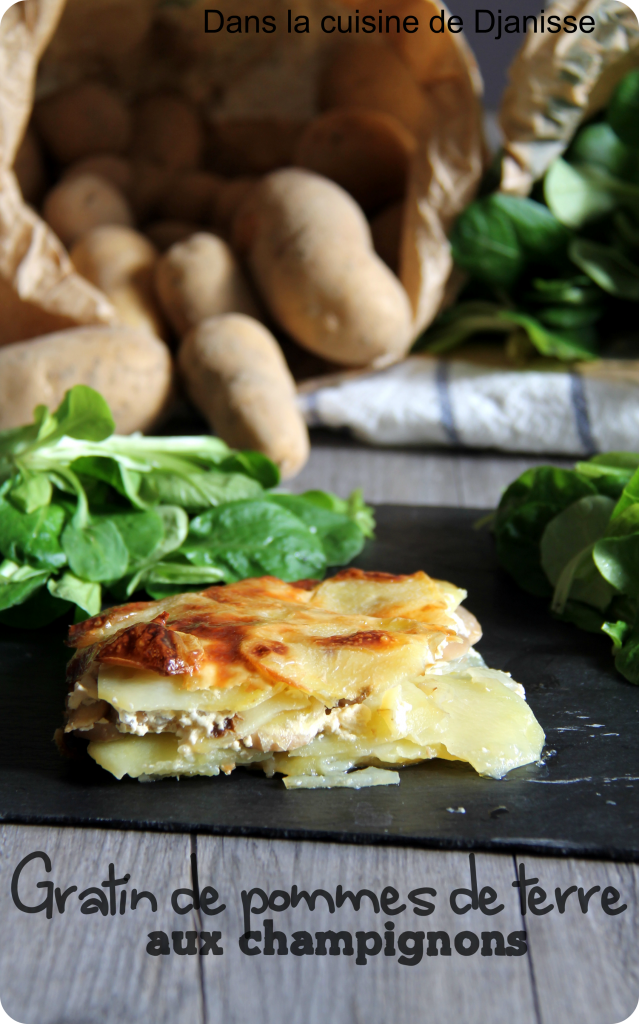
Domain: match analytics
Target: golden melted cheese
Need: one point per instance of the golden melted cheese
(311, 680)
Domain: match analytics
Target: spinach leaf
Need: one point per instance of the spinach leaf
(548, 485)
(574, 196)
(624, 522)
(629, 495)
(567, 344)
(341, 538)
(87, 596)
(617, 631)
(184, 574)
(541, 235)
(517, 541)
(197, 490)
(566, 550)
(495, 237)
(485, 243)
(525, 510)
(32, 537)
(354, 507)
(123, 480)
(253, 538)
(617, 559)
(83, 414)
(622, 113)
(569, 318)
(167, 578)
(175, 524)
(18, 583)
(31, 492)
(627, 658)
(607, 267)
(461, 322)
(609, 473)
(572, 291)
(96, 552)
(142, 532)
(175, 527)
(599, 144)
(254, 465)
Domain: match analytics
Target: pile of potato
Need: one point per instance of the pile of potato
(209, 237)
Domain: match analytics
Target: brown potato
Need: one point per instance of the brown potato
(237, 377)
(83, 120)
(131, 369)
(115, 169)
(121, 263)
(150, 183)
(228, 201)
(191, 196)
(253, 145)
(386, 229)
(369, 74)
(74, 207)
(167, 131)
(165, 233)
(97, 31)
(200, 278)
(365, 152)
(29, 168)
(309, 248)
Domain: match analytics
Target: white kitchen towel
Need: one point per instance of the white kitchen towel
(429, 402)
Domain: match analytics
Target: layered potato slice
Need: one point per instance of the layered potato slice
(364, 671)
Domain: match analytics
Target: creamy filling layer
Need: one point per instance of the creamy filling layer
(459, 710)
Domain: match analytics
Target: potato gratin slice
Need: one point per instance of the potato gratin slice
(365, 670)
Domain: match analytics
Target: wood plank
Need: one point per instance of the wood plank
(316, 989)
(585, 966)
(84, 969)
(412, 477)
(409, 478)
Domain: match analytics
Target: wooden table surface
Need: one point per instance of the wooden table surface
(81, 969)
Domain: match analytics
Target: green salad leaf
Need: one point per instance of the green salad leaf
(340, 536)
(542, 272)
(485, 243)
(87, 516)
(19, 582)
(254, 538)
(32, 537)
(607, 267)
(573, 536)
(600, 145)
(623, 110)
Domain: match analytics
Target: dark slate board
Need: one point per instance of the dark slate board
(582, 801)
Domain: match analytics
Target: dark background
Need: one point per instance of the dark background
(494, 56)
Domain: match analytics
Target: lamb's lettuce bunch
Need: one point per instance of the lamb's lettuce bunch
(88, 516)
(573, 536)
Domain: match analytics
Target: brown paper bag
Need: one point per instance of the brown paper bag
(557, 81)
(39, 290)
(145, 45)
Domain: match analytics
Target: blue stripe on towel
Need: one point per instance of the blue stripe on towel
(445, 406)
(582, 416)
